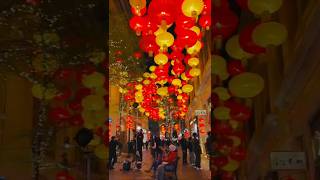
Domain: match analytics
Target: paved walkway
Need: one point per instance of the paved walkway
(185, 172)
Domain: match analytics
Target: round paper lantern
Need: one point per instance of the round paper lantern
(187, 88)
(59, 114)
(218, 65)
(205, 21)
(235, 67)
(222, 92)
(183, 21)
(225, 23)
(163, 91)
(221, 113)
(193, 62)
(94, 80)
(246, 85)
(234, 49)
(137, 24)
(63, 95)
(194, 72)
(195, 49)
(231, 166)
(269, 33)
(152, 68)
(93, 102)
(238, 154)
(161, 59)
(186, 37)
(197, 30)
(220, 161)
(165, 40)
(192, 8)
(148, 44)
(261, 7)
(246, 40)
(176, 82)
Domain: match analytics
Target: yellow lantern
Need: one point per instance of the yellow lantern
(224, 75)
(138, 4)
(234, 49)
(269, 33)
(138, 87)
(236, 140)
(101, 91)
(194, 72)
(162, 82)
(152, 68)
(142, 110)
(93, 80)
(222, 92)
(196, 29)
(176, 82)
(163, 91)
(246, 85)
(195, 49)
(183, 77)
(147, 114)
(159, 31)
(231, 166)
(222, 113)
(194, 61)
(153, 76)
(218, 65)
(192, 8)
(146, 75)
(164, 40)
(264, 7)
(234, 124)
(179, 91)
(179, 97)
(187, 88)
(161, 59)
(139, 79)
(146, 82)
(93, 102)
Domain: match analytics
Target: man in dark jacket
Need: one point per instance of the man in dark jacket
(191, 153)
(184, 148)
(112, 152)
(140, 143)
(197, 151)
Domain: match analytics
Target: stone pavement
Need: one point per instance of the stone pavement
(185, 172)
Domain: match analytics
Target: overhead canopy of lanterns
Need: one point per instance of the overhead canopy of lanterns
(233, 85)
(170, 33)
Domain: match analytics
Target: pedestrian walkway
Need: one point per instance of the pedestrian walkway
(185, 172)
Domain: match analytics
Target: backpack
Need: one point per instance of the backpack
(126, 166)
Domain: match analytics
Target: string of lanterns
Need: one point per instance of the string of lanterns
(234, 85)
(170, 33)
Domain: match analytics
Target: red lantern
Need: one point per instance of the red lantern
(59, 114)
(238, 154)
(238, 111)
(186, 37)
(176, 55)
(246, 41)
(185, 22)
(222, 128)
(162, 12)
(206, 8)
(235, 67)
(227, 176)
(77, 120)
(137, 55)
(225, 23)
(75, 105)
(148, 44)
(64, 74)
(177, 46)
(205, 21)
(220, 161)
(178, 69)
(64, 95)
(150, 27)
(137, 24)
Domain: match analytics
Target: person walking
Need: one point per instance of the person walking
(191, 153)
(184, 148)
(140, 143)
(197, 151)
(112, 152)
(209, 144)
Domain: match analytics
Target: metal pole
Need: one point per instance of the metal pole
(88, 167)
